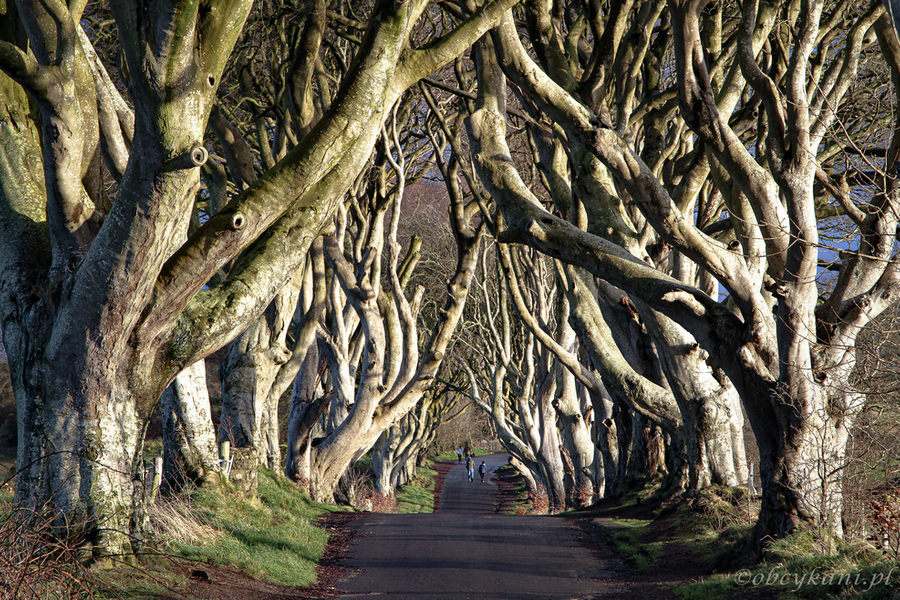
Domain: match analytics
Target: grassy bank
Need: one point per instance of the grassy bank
(513, 497)
(272, 538)
(696, 548)
(800, 567)
(417, 496)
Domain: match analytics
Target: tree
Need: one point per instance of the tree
(189, 442)
(758, 129)
(401, 448)
(378, 369)
(638, 356)
(102, 303)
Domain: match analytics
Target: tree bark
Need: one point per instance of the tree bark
(248, 374)
(190, 453)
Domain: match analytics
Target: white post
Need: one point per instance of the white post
(224, 457)
(157, 477)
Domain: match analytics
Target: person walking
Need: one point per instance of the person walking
(482, 469)
(470, 468)
(458, 454)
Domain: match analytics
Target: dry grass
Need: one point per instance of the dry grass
(174, 521)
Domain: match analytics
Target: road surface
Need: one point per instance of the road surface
(466, 551)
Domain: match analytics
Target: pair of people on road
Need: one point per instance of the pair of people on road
(470, 469)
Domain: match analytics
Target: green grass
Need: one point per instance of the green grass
(451, 454)
(801, 566)
(272, 537)
(851, 571)
(519, 502)
(717, 586)
(630, 539)
(856, 570)
(448, 455)
(417, 496)
(707, 526)
(713, 528)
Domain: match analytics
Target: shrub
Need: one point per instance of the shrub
(39, 558)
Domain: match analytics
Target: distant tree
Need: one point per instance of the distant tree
(381, 357)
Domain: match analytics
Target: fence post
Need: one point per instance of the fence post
(157, 477)
(224, 455)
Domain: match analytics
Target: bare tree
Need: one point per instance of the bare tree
(401, 448)
(378, 369)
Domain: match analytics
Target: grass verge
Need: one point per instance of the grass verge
(417, 496)
(451, 454)
(272, 538)
(512, 493)
(798, 568)
(678, 545)
(630, 536)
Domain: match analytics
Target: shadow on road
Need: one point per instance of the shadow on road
(465, 551)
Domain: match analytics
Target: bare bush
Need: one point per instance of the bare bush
(384, 503)
(40, 560)
(356, 487)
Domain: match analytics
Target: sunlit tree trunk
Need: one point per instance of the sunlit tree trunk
(248, 374)
(189, 442)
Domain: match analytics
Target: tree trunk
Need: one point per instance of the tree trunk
(189, 442)
(577, 441)
(106, 305)
(802, 474)
(307, 406)
(383, 455)
(85, 465)
(707, 404)
(248, 374)
(606, 436)
(572, 425)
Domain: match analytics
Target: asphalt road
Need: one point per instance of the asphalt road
(466, 551)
